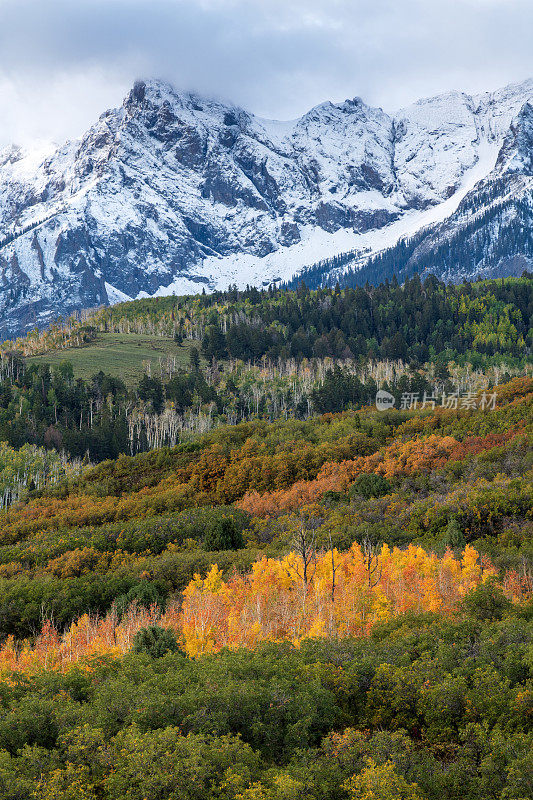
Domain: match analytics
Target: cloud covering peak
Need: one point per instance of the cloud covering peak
(62, 63)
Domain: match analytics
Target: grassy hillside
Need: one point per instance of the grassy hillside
(121, 355)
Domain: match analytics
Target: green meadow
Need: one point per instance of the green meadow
(123, 355)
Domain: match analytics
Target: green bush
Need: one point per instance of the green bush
(146, 593)
(486, 602)
(370, 485)
(156, 641)
(224, 534)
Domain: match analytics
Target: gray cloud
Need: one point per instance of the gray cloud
(63, 62)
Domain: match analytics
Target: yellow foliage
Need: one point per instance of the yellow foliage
(345, 594)
(381, 782)
(274, 603)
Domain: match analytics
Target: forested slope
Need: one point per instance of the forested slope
(232, 357)
(406, 666)
(301, 602)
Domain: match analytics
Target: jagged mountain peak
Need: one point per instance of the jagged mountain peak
(516, 154)
(156, 93)
(509, 92)
(174, 191)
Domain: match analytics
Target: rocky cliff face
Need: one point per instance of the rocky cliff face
(490, 234)
(173, 192)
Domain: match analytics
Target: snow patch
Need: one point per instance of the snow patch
(115, 295)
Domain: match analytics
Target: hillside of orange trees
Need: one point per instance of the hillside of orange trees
(141, 527)
(329, 608)
(337, 594)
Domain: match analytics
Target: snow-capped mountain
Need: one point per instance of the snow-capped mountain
(173, 192)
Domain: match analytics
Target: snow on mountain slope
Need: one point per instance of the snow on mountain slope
(487, 230)
(516, 154)
(438, 139)
(173, 192)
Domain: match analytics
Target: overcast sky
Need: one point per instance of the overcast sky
(62, 62)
